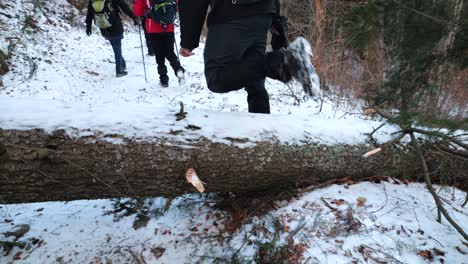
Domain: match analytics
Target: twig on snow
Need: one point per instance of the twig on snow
(466, 200)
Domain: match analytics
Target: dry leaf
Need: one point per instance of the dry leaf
(192, 178)
(361, 201)
(158, 252)
(369, 111)
(372, 152)
(425, 254)
(17, 256)
(338, 202)
(343, 180)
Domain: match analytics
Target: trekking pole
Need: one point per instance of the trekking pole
(177, 49)
(142, 53)
(175, 43)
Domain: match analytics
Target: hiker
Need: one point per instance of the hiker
(160, 16)
(106, 15)
(147, 38)
(235, 47)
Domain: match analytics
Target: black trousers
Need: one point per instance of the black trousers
(163, 48)
(235, 59)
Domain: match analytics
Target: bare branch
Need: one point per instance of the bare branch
(441, 135)
(459, 143)
(455, 152)
(383, 113)
(436, 197)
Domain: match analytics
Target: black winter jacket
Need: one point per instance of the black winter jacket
(117, 27)
(193, 13)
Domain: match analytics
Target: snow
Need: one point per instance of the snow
(395, 224)
(74, 88)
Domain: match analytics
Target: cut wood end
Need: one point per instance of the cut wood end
(369, 111)
(192, 178)
(372, 152)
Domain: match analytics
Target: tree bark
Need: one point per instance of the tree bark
(38, 166)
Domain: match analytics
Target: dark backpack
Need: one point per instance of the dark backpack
(163, 11)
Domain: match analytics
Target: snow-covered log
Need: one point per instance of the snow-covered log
(40, 166)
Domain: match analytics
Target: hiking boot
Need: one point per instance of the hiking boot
(164, 84)
(164, 80)
(121, 74)
(180, 73)
(298, 62)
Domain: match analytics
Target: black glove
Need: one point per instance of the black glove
(279, 33)
(136, 22)
(88, 31)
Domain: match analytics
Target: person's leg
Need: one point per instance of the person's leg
(232, 57)
(117, 48)
(257, 97)
(123, 63)
(169, 52)
(228, 42)
(157, 44)
(235, 58)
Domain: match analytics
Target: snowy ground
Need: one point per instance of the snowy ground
(73, 87)
(362, 223)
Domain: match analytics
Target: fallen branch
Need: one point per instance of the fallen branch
(466, 200)
(436, 197)
(455, 152)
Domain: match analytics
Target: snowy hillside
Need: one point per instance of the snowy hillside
(61, 79)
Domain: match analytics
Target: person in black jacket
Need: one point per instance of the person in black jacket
(114, 30)
(235, 47)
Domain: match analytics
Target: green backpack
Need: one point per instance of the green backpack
(102, 13)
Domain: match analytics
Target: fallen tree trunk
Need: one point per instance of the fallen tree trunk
(38, 166)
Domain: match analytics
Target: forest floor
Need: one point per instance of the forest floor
(61, 79)
(368, 222)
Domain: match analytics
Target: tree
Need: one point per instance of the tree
(37, 166)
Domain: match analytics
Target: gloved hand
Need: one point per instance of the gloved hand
(88, 32)
(279, 32)
(136, 22)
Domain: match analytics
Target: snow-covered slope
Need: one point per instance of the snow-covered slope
(73, 86)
